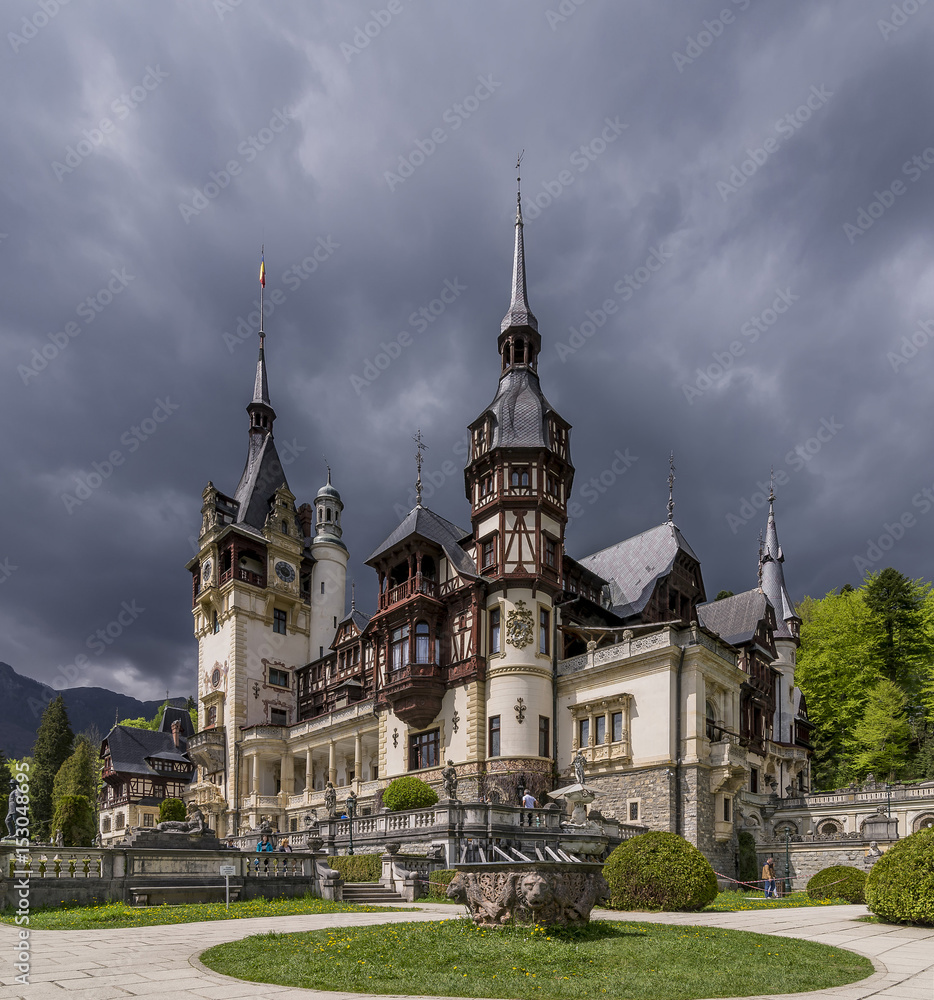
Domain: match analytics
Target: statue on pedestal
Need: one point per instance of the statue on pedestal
(11, 810)
(330, 799)
(449, 780)
(579, 761)
(194, 824)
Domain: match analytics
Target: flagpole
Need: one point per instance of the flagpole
(262, 293)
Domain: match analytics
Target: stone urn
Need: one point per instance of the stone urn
(535, 892)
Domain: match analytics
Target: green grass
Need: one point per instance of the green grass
(730, 902)
(603, 960)
(120, 915)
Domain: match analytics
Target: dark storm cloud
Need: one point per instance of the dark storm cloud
(148, 151)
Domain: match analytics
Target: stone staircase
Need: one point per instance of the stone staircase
(369, 892)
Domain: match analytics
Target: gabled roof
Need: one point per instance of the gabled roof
(633, 566)
(735, 619)
(431, 526)
(130, 748)
(173, 714)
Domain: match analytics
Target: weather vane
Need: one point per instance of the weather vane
(420, 447)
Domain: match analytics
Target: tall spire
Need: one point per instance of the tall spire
(772, 576)
(260, 385)
(671, 488)
(520, 313)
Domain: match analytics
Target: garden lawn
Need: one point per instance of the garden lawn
(121, 915)
(731, 902)
(601, 960)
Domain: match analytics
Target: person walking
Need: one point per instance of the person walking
(768, 878)
(529, 802)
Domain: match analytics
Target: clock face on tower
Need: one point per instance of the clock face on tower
(206, 570)
(285, 572)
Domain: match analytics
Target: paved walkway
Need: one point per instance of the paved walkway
(161, 962)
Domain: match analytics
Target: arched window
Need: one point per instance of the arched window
(285, 527)
(711, 722)
(328, 514)
(422, 643)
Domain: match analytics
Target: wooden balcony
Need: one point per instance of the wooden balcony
(243, 574)
(412, 587)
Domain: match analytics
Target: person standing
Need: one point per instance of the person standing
(768, 878)
(529, 802)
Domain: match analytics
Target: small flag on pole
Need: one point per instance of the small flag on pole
(262, 269)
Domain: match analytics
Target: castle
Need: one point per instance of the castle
(490, 646)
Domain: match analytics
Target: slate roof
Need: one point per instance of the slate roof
(262, 476)
(519, 410)
(735, 619)
(427, 524)
(129, 749)
(520, 313)
(633, 566)
(773, 577)
(357, 617)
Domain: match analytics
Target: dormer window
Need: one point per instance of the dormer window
(285, 527)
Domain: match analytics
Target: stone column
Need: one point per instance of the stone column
(309, 773)
(357, 760)
(254, 774)
(332, 763)
(286, 774)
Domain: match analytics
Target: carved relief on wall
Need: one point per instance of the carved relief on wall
(519, 626)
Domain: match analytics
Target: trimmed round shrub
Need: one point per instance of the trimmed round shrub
(748, 859)
(659, 871)
(408, 792)
(900, 886)
(838, 882)
(172, 810)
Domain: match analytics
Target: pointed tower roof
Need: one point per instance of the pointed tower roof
(772, 576)
(263, 473)
(519, 313)
(260, 386)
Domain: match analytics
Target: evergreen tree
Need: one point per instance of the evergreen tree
(900, 630)
(5, 774)
(53, 747)
(77, 776)
(880, 738)
(75, 817)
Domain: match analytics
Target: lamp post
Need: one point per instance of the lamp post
(351, 812)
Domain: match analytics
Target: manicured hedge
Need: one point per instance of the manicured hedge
(748, 860)
(357, 867)
(838, 882)
(408, 792)
(900, 886)
(659, 871)
(440, 880)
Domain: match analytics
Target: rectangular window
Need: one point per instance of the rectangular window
(424, 749)
(495, 616)
(486, 485)
(488, 554)
(212, 716)
(119, 821)
(278, 717)
(544, 631)
(278, 621)
(600, 730)
(544, 736)
(754, 779)
(149, 819)
(400, 647)
(551, 552)
(583, 728)
(279, 677)
(494, 736)
(727, 802)
(633, 812)
(293, 825)
(617, 727)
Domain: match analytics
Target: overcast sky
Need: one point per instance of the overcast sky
(729, 211)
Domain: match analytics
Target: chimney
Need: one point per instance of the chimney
(176, 732)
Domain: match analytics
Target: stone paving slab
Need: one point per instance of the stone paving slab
(161, 961)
